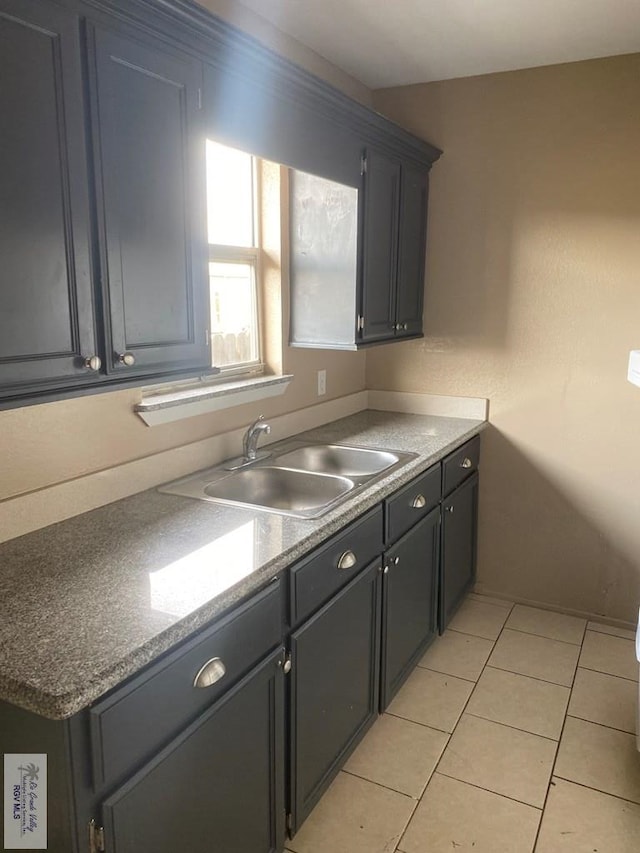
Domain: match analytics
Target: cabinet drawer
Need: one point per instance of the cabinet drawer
(412, 503)
(129, 725)
(460, 465)
(315, 579)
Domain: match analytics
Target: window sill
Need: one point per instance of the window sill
(164, 408)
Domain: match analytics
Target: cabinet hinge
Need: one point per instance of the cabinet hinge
(199, 99)
(96, 837)
(363, 164)
(360, 322)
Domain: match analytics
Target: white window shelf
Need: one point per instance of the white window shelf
(170, 406)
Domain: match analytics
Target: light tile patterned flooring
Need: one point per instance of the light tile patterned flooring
(515, 733)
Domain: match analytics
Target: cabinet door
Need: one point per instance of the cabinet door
(334, 687)
(219, 786)
(46, 306)
(459, 538)
(408, 602)
(379, 246)
(411, 252)
(150, 161)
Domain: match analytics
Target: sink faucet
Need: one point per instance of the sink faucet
(250, 440)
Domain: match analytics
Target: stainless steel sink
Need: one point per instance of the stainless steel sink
(304, 482)
(286, 490)
(338, 459)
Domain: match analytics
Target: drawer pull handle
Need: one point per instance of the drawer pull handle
(212, 671)
(466, 463)
(419, 501)
(347, 560)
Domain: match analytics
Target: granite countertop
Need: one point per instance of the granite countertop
(87, 602)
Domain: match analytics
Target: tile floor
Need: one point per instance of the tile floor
(515, 733)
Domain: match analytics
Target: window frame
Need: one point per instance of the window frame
(252, 256)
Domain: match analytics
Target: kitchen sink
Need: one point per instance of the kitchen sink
(339, 459)
(305, 482)
(284, 489)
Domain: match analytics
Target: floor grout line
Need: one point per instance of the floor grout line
(602, 725)
(449, 674)
(477, 636)
(544, 637)
(510, 726)
(380, 784)
(526, 675)
(555, 759)
(418, 723)
(488, 790)
(604, 672)
(608, 674)
(596, 790)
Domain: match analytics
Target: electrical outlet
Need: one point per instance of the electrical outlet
(322, 382)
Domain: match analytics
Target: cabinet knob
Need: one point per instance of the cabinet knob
(285, 664)
(395, 560)
(127, 358)
(385, 571)
(449, 508)
(347, 560)
(419, 501)
(466, 463)
(212, 671)
(93, 362)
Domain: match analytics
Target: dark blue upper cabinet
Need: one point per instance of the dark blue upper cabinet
(46, 304)
(150, 190)
(394, 231)
(412, 243)
(372, 292)
(379, 247)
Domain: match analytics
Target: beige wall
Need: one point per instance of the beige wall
(533, 300)
(54, 442)
(289, 47)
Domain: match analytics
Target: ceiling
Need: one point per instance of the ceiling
(396, 42)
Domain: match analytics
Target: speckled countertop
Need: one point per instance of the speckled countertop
(91, 600)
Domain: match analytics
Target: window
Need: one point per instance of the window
(234, 258)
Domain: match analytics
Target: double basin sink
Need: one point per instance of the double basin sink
(305, 482)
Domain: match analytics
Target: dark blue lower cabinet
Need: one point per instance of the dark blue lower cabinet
(334, 688)
(459, 547)
(409, 620)
(219, 786)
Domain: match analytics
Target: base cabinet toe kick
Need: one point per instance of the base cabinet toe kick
(228, 741)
